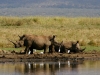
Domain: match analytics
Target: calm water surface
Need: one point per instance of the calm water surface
(51, 68)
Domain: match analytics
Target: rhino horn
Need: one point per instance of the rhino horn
(81, 50)
(12, 42)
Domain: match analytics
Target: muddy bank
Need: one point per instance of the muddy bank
(55, 56)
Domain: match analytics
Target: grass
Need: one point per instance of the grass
(18, 49)
(11, 49)
(89, 48)
(84, 29)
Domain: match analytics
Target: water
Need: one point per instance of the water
(51, 68)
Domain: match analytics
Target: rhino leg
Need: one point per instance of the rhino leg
(68, 51)
(45, 49)
(50, 49)
(31, 50)
(26, 50)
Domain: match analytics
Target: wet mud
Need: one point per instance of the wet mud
(19, 57)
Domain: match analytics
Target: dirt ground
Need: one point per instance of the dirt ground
(18, 57)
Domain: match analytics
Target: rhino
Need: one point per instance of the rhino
(68, 47)
(54, 47)
(39, 42)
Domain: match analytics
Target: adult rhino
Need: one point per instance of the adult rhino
(31, 42)
(67, 47)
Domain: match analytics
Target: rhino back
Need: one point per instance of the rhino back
(67, 44)
(36, 41)
(42, 40)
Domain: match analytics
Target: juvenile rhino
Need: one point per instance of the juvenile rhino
(31, 42)
(67, 47)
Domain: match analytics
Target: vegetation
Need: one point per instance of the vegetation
(84, 29)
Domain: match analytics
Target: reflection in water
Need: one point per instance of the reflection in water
(51, 68)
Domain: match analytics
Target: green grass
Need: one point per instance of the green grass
(18, 49)
(84, 29)
(91, 48)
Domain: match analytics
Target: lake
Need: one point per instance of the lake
(41, 67)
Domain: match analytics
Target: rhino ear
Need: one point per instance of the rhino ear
(77, 42)
(54, 36)
(61, 42)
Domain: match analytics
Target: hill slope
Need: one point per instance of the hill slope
(50, 7)
(51, 3)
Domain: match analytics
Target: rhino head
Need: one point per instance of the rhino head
(52, 38)
(17, 44)
(76, 47)
(57, 46)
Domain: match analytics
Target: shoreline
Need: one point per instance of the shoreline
(48, 57)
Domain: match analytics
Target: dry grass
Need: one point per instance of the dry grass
(84, 29)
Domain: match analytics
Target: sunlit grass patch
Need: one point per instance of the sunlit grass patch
(84, 29)
(90, 48)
